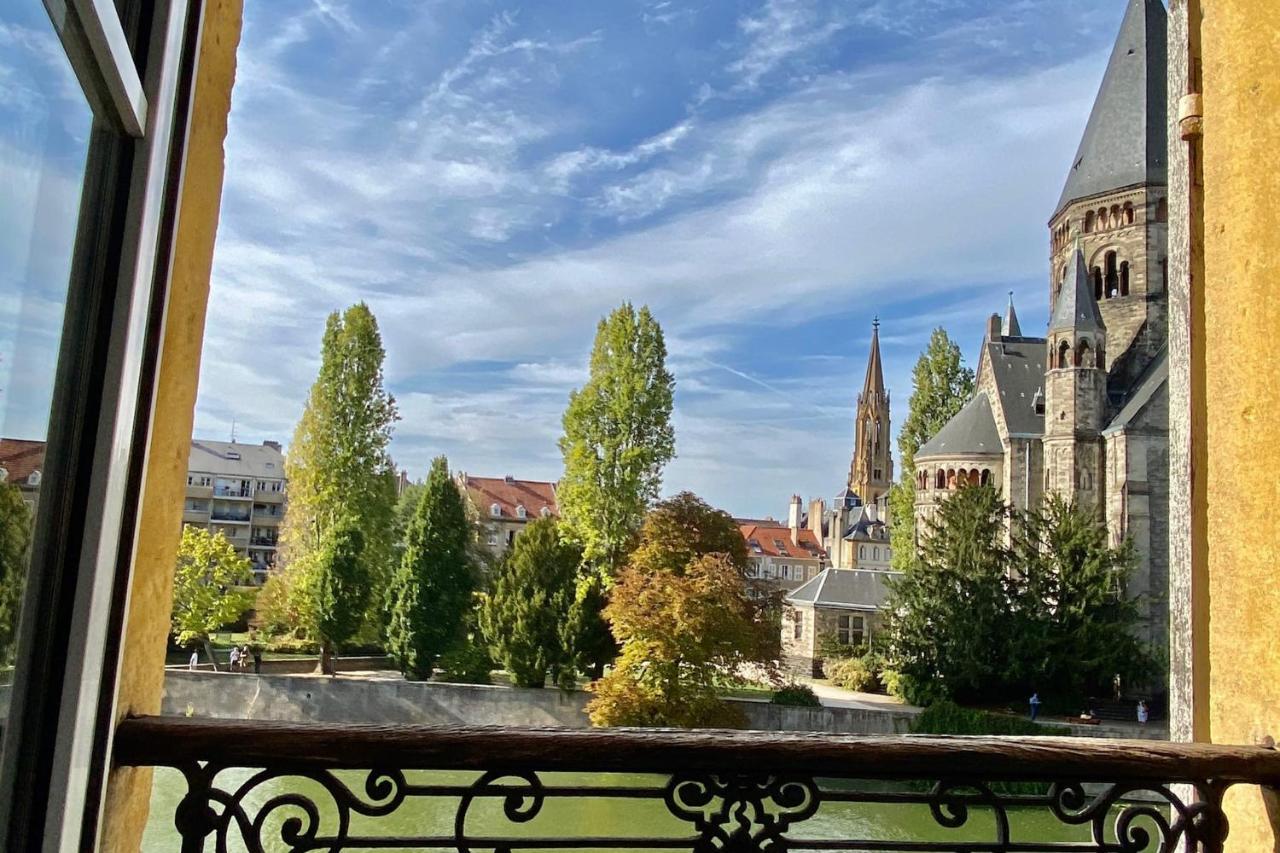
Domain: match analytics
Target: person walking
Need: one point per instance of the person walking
(194, 663)
(257, 661)
(1144, 713)
(1035, 706)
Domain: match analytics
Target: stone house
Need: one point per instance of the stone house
(845, 605)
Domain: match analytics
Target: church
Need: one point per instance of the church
(1083, 411)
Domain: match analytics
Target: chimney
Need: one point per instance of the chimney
(274, 445)
(993, 327)
(873, 512)
(509, 479)
(817, 509)
(793, 519)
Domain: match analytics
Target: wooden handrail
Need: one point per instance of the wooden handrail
(179, 741)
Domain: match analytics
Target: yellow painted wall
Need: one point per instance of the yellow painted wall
(141, 680)
(1241, 84)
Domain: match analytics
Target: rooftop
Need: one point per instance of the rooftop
(844, 589)
(231, 459)
(764, 540)
(20, 457)
(509, 494)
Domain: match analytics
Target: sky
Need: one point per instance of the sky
(766, 175)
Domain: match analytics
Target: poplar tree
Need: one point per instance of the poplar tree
(338, 467)
(341, 591)
(617, 438)
(430, 593)
(532, 597)
(941, 385)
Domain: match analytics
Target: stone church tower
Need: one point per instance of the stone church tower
(871, 472)
(1075, 392)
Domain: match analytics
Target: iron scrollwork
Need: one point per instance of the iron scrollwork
(317, 810)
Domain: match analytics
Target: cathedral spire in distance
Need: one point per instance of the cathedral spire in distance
(1012, 329)
(871, 472)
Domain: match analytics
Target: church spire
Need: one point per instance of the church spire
(871, 471)
(1076, 307)
(1011, 327)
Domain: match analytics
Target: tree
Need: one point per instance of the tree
(617, 438)
(15, 539)
(680, 634)
(948, 611)
(431, 591)
(586, 633)
(532, 597)
(338, 466)
(1074, 623)
(941, 385)
(205, 594)
(341, 589)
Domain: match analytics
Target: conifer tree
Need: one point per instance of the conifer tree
(941, 385)
(586, 633)
(341, 589)
(532, 596)
(617, 438)
(431, 591)
(338, 466)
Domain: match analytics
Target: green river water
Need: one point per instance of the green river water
(595, 816)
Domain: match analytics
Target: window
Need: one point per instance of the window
(545, 512)
(876, 556)
(493, 540)
(797, 625)
(850, 629)
(495, 510)
(521, 512)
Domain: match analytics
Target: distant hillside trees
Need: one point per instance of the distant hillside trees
(941, 385)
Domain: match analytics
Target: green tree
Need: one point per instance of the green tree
(341, 592)
(205, 593)
(681, 634)
(941, 385)
(1074, 623)
(431, 591)
(338, 467)
(586, 633)
(532, 596)
(15, 539)
(948, 613)
(617, 438)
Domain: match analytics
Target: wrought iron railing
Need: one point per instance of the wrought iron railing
(267, 786)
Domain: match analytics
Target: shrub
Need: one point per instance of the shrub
(801, 695)
(948, 718)
(468, 664)
(852, 674)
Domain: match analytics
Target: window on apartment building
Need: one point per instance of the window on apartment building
(495, 510)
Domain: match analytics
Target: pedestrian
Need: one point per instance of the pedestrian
(1035, 705)
(257, 661)
(235, 657)
(194, 663)
(244, 656)
(1144, 713)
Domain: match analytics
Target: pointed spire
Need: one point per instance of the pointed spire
(874, 383)
(1076, 307)
(1011, 327)
(1124, 140)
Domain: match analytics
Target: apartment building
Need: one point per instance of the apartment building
(782, 556)
(504, 505)
(239, 491)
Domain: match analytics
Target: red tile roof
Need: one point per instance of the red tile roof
(19, 457)
(771, 541)
(509, 493)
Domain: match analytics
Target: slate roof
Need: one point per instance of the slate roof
(844, 589)
(1011, 328)
(775, 541)
(20, 457)
(1155, 376)
(972, 431)
(1018, 367)
(219, 458)
(863, 528)
(1124, 140)
(1076, 308)
(509, 493)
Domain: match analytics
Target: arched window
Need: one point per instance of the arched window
(1115, 215)
(1064, 354)
(495, 510)
(986, 476)
(1084, 354)
(877, 554)
(1097, 283)
(940, 481)
(1162, 210)
(951, 478)
(521, 512)
(1088, 222)
(1112, 276)
(862, 552)
(1102, 218)
(1124, 278)
(1128, 213)
(545, 512)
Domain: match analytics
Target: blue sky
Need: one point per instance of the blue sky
(766, 175)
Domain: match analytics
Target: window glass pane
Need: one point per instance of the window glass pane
(44, 134)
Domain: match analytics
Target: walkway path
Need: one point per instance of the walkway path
(838, 697)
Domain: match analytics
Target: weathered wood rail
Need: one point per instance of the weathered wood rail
(737, 790)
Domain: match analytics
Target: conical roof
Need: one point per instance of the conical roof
(1012, 329)
(1124, 140)
(972, 432)
(1076, 307)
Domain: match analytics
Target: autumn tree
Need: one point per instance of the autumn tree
(15, 539)
(617, 438)
(533, 593)
(338, 466)
(206, 587)
(941, 385)
(681, 633)
(431, 591)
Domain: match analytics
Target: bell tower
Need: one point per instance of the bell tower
(1075, 392)
(871, 472)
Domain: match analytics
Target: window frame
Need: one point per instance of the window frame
(135, 62)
